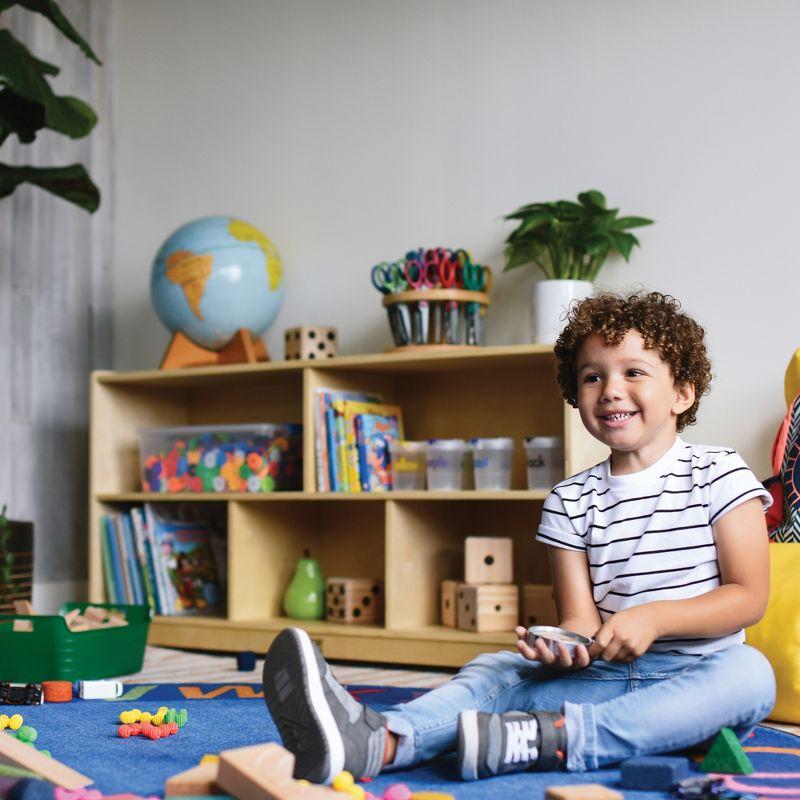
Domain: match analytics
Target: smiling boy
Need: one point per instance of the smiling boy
(659, 553)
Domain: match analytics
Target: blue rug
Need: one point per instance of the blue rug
(83, 734)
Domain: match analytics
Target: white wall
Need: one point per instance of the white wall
(350, 131)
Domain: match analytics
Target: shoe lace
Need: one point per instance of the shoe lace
(521, 740)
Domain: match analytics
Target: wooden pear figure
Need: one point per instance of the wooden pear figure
(305, 595)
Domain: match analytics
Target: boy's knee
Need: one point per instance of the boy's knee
(758, 680)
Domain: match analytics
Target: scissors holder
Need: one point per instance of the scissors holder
(437, 317)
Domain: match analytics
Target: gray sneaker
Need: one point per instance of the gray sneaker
(325, 728)
(494, 744)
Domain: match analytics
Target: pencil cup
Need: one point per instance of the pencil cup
(445, 464)
(408, 465)
(545, 458)
(492, 462)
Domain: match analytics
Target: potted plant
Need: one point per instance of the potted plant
(569, 242)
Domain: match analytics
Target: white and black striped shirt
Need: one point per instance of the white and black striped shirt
(648, 535)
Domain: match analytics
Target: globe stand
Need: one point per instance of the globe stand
(242, 349)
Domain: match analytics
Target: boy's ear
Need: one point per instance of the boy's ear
(684, 397)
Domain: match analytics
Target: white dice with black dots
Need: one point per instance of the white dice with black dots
(310, 342)
(354, 600)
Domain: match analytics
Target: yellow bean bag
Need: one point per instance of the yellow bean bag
(777, 635)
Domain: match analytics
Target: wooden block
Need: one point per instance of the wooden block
(19, 754)
(309, 341)
(488, 608)
(538, 605)
(95, 614)
(265, 772)
(488, 559)
(71, 616)
(354, 600)
(582, 791)
(23, 608)
(449, 603)
(22, 626)
(198, 780)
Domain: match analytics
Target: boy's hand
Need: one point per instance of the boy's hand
(626, 636)
(541, 652)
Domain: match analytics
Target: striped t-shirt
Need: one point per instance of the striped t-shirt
(648, 535)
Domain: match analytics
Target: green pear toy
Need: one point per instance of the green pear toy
(305, 595)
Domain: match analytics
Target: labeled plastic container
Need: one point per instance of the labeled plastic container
(545, 460)
(446, 459)
(52, 652)
(409, 462)
(222, 458)
(492, 462)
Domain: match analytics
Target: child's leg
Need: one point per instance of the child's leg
(677, 702)
(494, 683)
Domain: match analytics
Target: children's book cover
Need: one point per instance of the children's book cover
(376, 425)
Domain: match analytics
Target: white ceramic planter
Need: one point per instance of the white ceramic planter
(551, 302)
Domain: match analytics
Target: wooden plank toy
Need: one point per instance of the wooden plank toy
(265, 772)
(354, 600)
(582, 791)
(309, 341)
(538, 605)
(199, 780)
(18, 754)
(488, 608)
(449, 602)
(488, 559)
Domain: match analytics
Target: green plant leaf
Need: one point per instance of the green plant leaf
(72, 183)
(526, 253)
(49, 9)
(592, 198)
(20, 116)
(623, 242)
(632, 222)
(20, 71)
(533, 221)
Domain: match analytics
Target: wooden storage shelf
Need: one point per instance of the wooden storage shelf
(411, 540)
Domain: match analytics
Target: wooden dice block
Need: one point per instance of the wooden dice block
(308, 341)
(449, 603)
(582, 791)
(488, 608)
(538, 606)
(488, 559)
(354, 600)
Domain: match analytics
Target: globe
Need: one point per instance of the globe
(216, 275)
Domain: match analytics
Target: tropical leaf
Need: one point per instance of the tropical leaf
(624, 223)
(49, 9)
(523, 254)
(71, 183)
(592, 198)
(20, 116)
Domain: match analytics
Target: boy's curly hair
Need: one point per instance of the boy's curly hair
(658, 318)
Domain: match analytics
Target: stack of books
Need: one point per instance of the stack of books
(152, 557)
(352, 435)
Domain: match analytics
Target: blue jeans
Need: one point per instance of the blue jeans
(658, 703)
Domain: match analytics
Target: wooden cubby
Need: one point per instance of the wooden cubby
(412, 540)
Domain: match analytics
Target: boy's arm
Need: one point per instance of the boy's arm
(743, 555)
(572, 591)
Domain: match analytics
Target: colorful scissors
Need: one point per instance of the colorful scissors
(389, 277)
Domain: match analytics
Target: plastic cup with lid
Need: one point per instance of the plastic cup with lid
(445, 464)
(408, 465)
(545, 459)
(492, 462)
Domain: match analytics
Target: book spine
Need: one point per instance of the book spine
(141, 554)
(351, 451)
(116, 558)
(158, 561)
(108, 570)
(134, 569)
(119, 532)
(320, 443)
(330, 433)
(341, 445)
(363, 467)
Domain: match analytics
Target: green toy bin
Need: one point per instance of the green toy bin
(52, 652)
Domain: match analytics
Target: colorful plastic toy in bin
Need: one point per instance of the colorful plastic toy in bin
(50, 651)
(231, 458)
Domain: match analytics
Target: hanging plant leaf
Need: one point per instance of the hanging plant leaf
(49, 9)
(71, 183)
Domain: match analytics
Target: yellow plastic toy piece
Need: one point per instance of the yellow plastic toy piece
(356, 792)
(209, 758)
(431, 796)
(15, 722)
(3, 721)
(791, 380)
(147, 717)
(343, 781)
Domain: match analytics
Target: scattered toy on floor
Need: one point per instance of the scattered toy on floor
(19, 754)
(57, 691)
(582, 791)
(726, 755)
(20, 694)
(653, 773)
(246, 661)
(97, 690)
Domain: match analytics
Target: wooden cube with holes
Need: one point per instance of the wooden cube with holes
(488, 608)
(354, 600)
(488, 559)
(538, 605)
(311, 342)
(449, 602)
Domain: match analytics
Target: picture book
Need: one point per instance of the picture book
(376, 425)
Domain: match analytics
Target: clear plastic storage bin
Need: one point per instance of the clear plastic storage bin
(222, 458)
(545, 458)
(445, 464)
(492, 462)
(408, 465)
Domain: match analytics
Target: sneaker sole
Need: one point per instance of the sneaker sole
(468, 744)
(296, 700)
